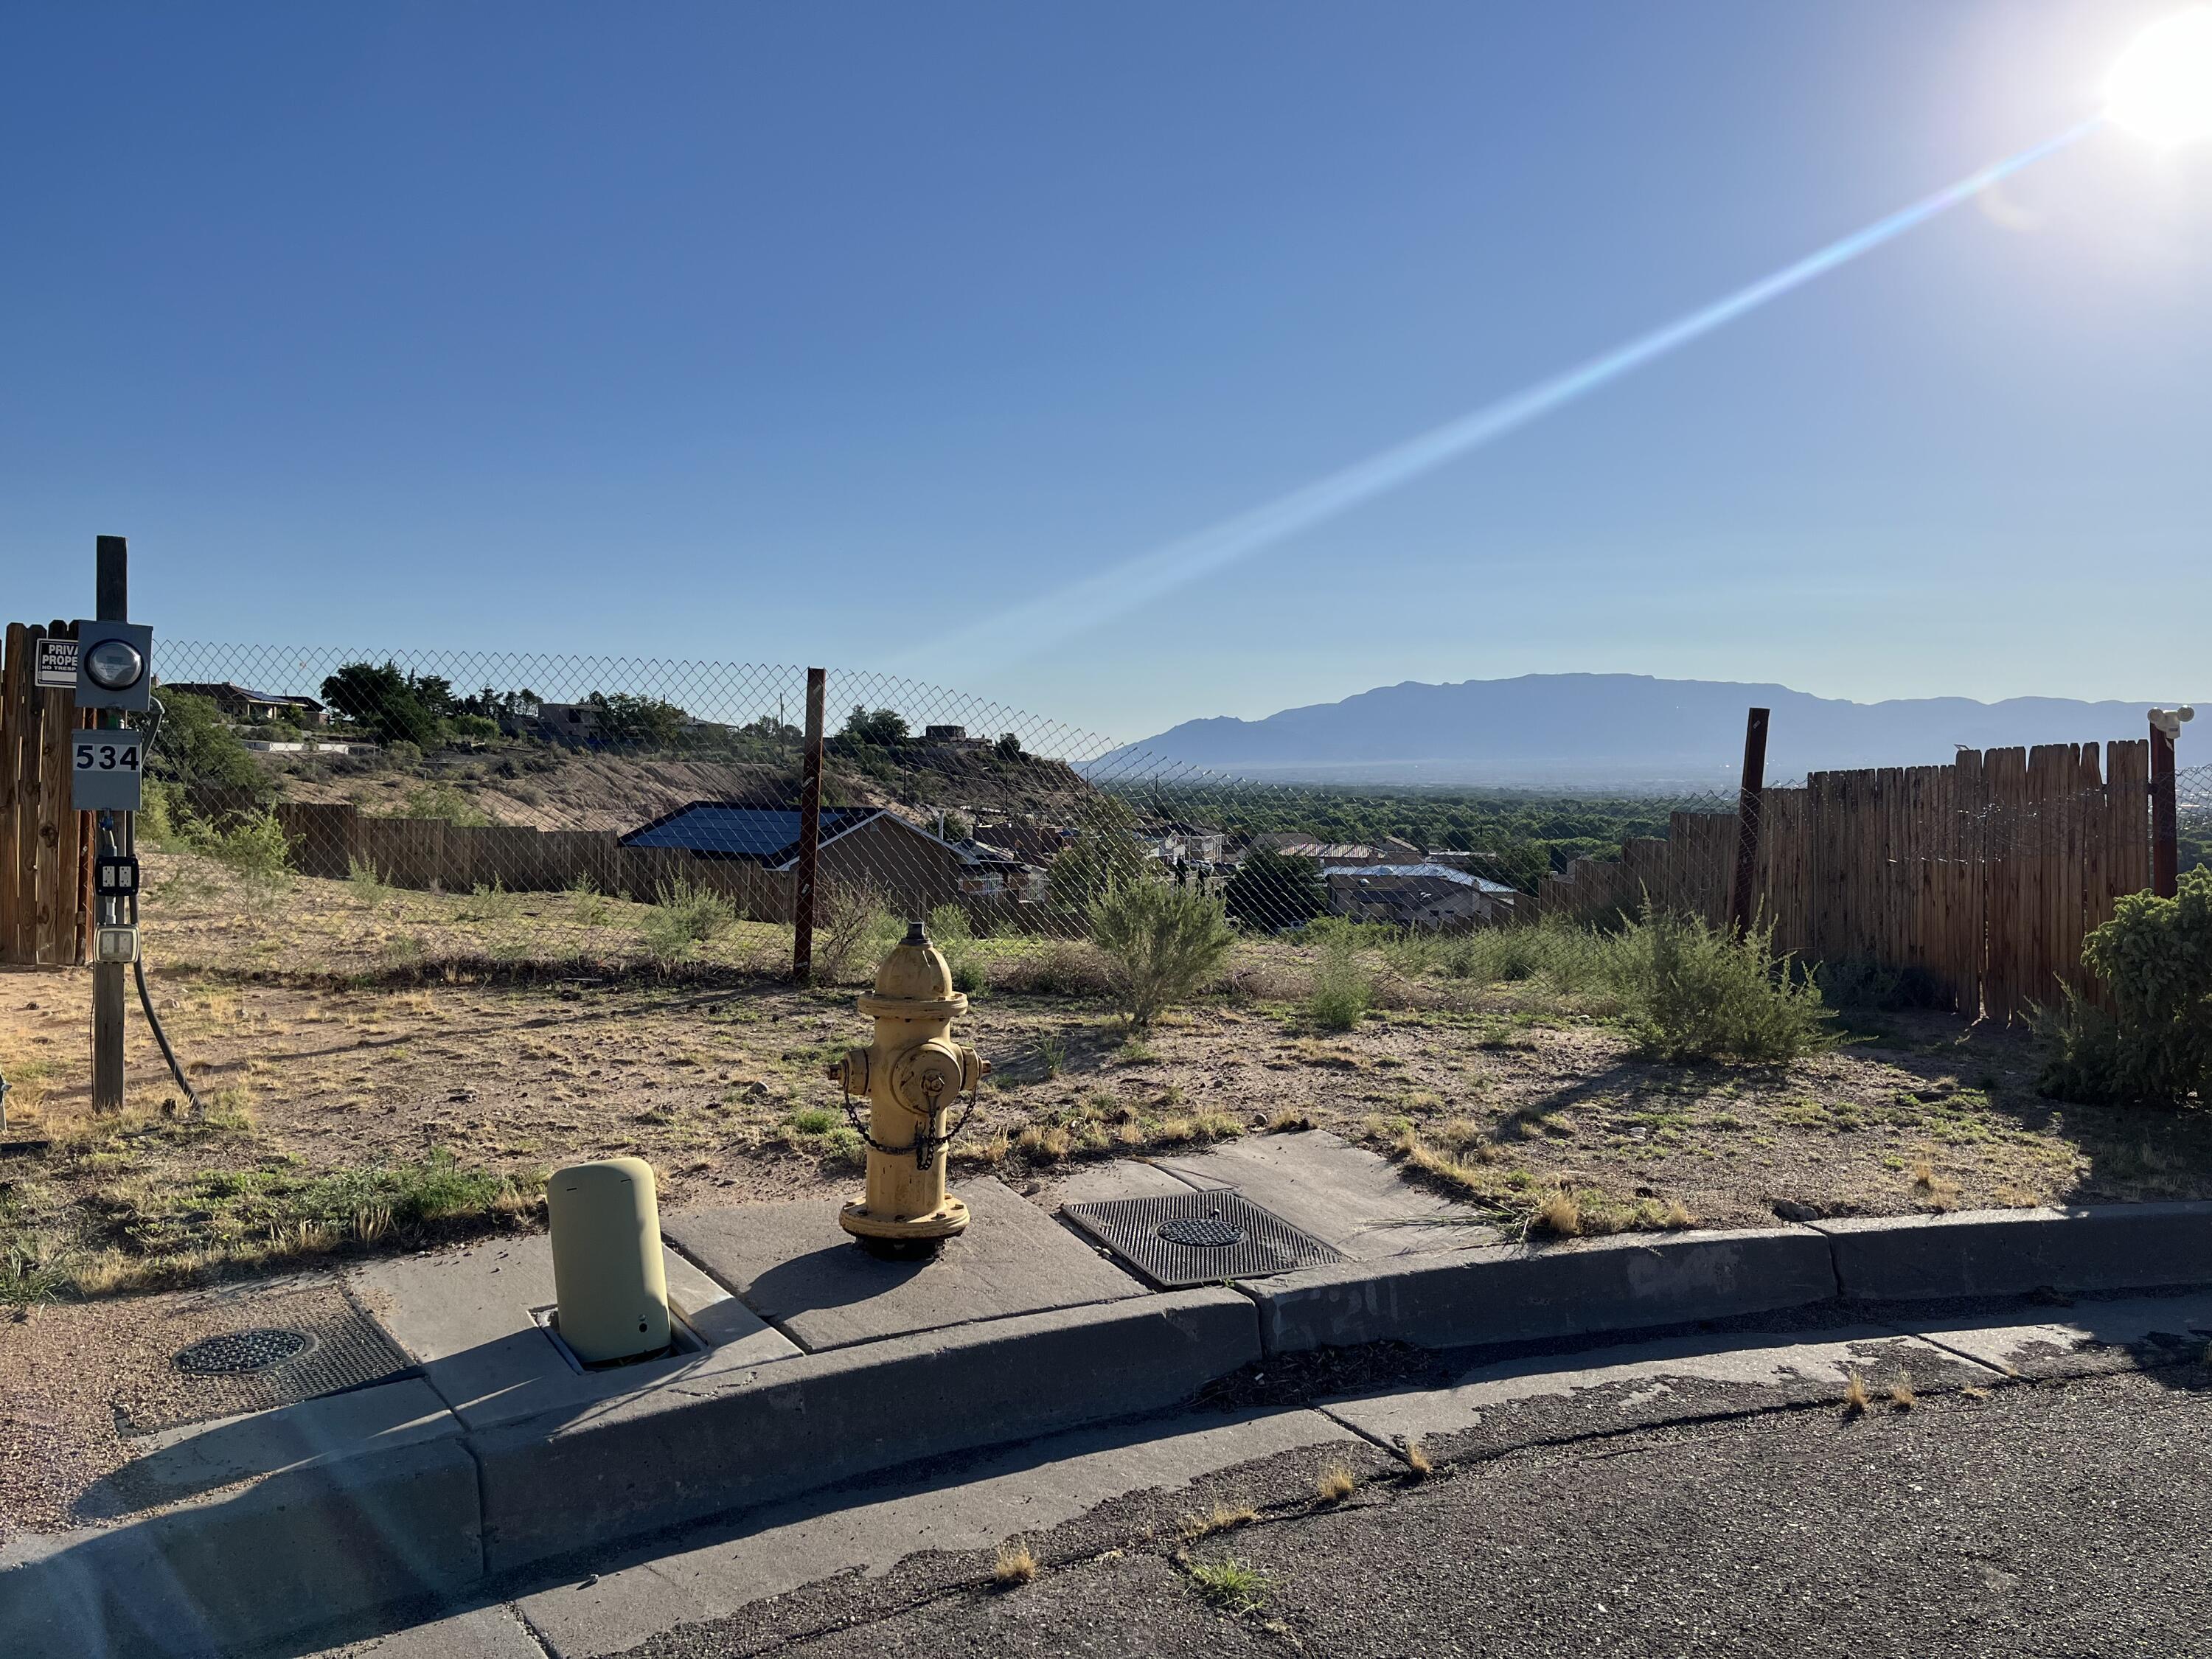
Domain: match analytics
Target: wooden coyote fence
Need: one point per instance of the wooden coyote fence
(335, 839)
(46, 847)
(1983, 875)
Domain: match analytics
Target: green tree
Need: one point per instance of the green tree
(1271, 892)
(388, 703)
(639, 722)
(197, 746)
(883, 727)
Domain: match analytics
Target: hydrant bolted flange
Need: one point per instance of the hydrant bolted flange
(912, 1075)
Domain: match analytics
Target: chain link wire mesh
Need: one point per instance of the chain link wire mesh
(399, 809)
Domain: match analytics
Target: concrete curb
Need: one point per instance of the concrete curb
(2106, 1246)
(363, 1525)
(1508, 1294)
(254, 1565)
(701, 1444)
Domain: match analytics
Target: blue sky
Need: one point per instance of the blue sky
(821, 333)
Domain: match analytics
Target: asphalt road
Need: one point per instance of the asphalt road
(2070, 1518)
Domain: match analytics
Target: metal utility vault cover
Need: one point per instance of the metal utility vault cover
(1180, 1239)
(283, 1349)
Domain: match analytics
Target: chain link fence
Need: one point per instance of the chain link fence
(394, 810)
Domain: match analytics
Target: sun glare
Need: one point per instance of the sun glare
(2161, 88)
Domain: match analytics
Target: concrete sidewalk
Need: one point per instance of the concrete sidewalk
(806, 1363)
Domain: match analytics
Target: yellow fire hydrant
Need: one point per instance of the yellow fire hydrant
(911, 1075)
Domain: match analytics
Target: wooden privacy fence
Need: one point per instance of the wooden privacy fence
(1985, 875)
(46, 847)
(335, 839)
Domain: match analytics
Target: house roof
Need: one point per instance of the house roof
(243, 693)
(1433, 872)
(767, 834)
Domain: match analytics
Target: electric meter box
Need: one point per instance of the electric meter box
(114, 664)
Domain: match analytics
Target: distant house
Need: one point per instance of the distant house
(565, 722)
(1183, 843)
(915, 869)
(953, 737)
(241, 703)
(1424, 896)
(1386, 849)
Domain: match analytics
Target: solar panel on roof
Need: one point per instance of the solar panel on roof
(756, 832)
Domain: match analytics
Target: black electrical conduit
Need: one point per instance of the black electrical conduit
(138, 962)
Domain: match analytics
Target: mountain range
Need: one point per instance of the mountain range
(1590, 731)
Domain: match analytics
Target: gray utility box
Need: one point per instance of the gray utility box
(114, 664)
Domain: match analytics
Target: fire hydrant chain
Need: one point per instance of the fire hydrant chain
(924, 1144)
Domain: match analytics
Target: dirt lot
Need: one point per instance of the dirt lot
(389, 1099)
(381, 1071)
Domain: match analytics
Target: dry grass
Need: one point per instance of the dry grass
(1857, 1399)
(1901, 1395)
(1016, 1564)
(1224, 1517)
(1416, 1460)
(1335, 1484)
(1973, 1393)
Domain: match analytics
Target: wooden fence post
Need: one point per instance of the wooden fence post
(1750, 800)
(810, 833)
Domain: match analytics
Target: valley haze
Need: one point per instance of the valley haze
(1598, 731)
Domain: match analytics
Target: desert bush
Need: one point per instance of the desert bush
(2155, 1047)
(253, 844)
(366, 880)
(684, 916)
(1343, 988)
(1692, 992)
(587, 903)
(1161, 945)
(440, 800)
(852, 930)
(1060, 968)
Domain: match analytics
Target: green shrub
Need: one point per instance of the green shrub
(1691, 992)
(1343, 989)
(253, 844)
(367, 882)
(442, 801)
(1161, 945)
(587, 903)
(2155, 1048)
(683, 917)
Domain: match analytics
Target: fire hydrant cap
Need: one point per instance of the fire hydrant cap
(915, 982)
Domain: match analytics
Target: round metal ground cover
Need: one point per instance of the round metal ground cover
(235, 1352)
(1206, 1230)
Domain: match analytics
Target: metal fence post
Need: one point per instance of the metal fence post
(2165, 822)
(1750, 799)
(810, 833)
(112, 595)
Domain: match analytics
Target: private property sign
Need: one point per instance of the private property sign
(55, 667)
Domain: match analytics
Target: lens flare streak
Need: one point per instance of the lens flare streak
(1029, 629)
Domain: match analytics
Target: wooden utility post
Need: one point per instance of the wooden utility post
(1750, 801)
(810, 832)
(112, 597)
(2165, 825)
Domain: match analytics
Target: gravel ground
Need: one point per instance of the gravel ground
(73, 1375)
